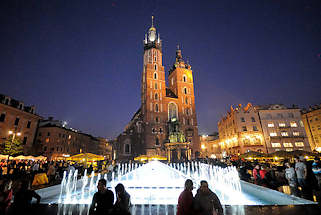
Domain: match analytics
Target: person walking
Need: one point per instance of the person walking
(207, 202)
(103, 200)
(185, 204)
(301, 173)
(292, 180)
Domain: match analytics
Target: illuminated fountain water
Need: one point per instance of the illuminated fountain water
(155, 187)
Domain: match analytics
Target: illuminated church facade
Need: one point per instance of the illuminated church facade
(165, 124)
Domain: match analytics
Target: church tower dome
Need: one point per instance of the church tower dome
(151, 38)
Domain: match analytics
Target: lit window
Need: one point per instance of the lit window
(282, 124)
(287, 145)
(273, 134)
(284, 133)
(289, 150)
(69, 137)
(276, 145)
(301, 123)
(47, 140)
(299, 144)
(270, 125)
(184, 78)
(296, 133)
(293, 124)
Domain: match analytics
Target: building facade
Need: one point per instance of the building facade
(210, 146)
(312, 123)
(16, 117)
(283, 128)
(240, 131)
(56, 141)
(267, 129)
(167, 114)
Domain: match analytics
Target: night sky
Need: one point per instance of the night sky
(81, 61)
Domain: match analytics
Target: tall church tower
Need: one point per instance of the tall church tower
(153, 92)
(181, 83)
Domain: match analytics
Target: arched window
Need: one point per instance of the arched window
(155, 67)
(186, 100)
(156, 86)
(184, 78)
(172, 111)
(157, 119)
(185, 90)
(155, 75)
(186, 111)
(156, 141)
(156, 96)
(156, 108)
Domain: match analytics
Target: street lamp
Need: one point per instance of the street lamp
(14, 134)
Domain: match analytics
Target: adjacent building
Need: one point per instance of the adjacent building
(267, 128)
(210, 146)
(240, 131)
(312, 123)
(18, 119)
(57, 141)
(283, 128)
(165, 123)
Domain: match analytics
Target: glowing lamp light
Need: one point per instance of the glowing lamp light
(318, 149)
(18, 133)
(276, 158)
(306, 157)
(203, 146)
(10, 132)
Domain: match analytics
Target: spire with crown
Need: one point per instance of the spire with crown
(152, 40)
(179, 62)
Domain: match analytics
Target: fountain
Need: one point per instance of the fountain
(154, 187)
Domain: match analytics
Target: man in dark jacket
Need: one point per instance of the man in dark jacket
(103, 200)
(206, 201)
(185, 200)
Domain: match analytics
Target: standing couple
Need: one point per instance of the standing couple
(205, 201)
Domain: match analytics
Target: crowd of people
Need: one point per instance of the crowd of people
(303, 178)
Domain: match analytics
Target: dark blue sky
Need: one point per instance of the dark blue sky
(81, 61)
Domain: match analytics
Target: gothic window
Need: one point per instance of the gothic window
(185, 90)
(187, 121)
(156, 96)
(157, 119)
(155, 75)
(155, 67)
(156, 86)
(186, 101)
(160, 130)
(127, 148)
(184, 78)
(2, 117)
(186, 111)
(156, 108)
(172, 111)
(253, 119)
(157, 141)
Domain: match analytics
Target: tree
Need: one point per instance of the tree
(12, 146)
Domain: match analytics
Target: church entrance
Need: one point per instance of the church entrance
(178, 152)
